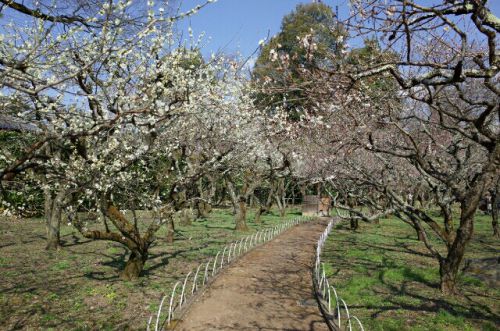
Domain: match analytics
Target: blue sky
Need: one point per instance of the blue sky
(233, 26)
(238, 25)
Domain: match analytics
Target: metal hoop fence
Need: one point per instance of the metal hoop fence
(183, 291)
(333, 307)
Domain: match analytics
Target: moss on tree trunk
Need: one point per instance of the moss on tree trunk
(134, 266)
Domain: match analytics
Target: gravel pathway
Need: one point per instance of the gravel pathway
(270, 288)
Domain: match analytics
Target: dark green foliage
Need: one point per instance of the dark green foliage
(20, 195)
(378, 87)
(283, 58)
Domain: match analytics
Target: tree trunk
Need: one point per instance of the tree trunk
(420, 235)
(134, 265)
(495, 200)
(448, 271)
(269, 202)
(448, 219)
(196, 210)
(279, 204)
(53, 222)
(204, 209)
(449, 266)
(170, 230)
(232, 195)
(241, 218)
(354, 224)
(303, 191)
(283, 204)
(203, 205)
(212, 191)
(258, 214)
(53, 215)
(128, 235)
(185, 217)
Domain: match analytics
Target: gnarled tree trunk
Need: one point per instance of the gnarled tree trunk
(449, 266)
(448, 219)
(127, 234)
(135, 265)
(240, 200)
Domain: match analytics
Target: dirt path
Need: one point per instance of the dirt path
(270, 288)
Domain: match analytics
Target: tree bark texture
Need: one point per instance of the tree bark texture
(241, 217)
(53, 214)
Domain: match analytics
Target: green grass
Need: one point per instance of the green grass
(61, 265)
(390, 281)
(78, 288)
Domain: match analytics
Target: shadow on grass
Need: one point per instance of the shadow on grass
(71, 239)
(388, 277)
(433, 305)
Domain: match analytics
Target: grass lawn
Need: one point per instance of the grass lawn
(77, 288)
(390, 281)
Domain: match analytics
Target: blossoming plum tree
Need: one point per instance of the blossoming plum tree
(122, 122)
(439, 131)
